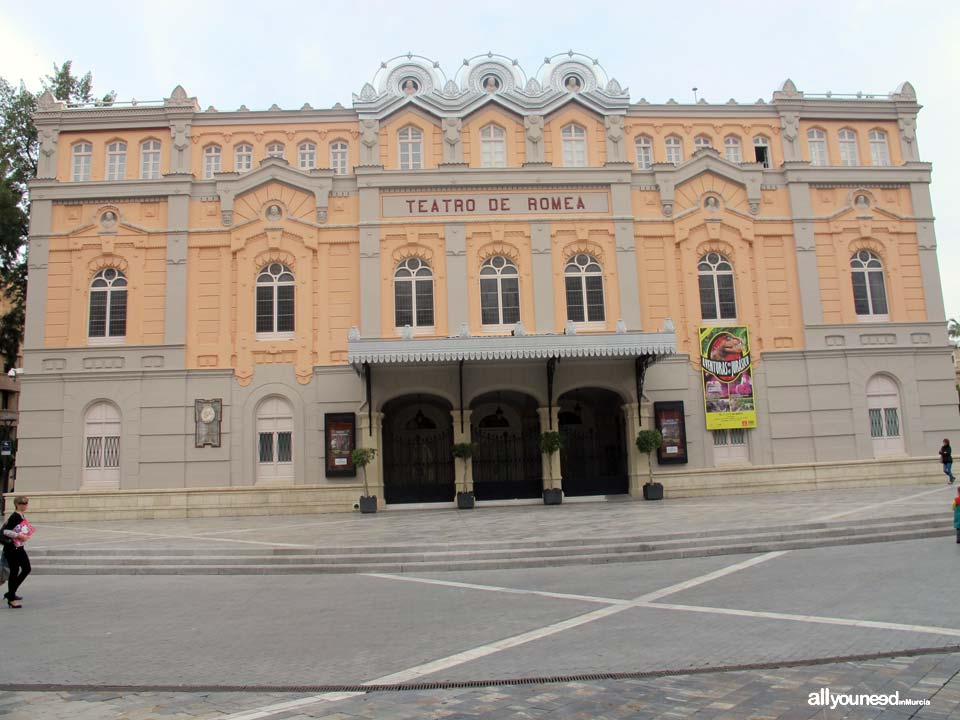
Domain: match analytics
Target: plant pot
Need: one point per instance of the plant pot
(553, 496)
(653, 491)
(368, 503)
(465, 501)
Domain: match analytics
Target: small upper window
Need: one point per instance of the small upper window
(717, 299)
(493, 146)
(761, 150)
(702, 141)
(849, 155)
(817, 143)
(731, 149)
(150, 159)
(211, 161)
(869, 291)
(307, 155)
(243, 157)
(411, 148)
(574, 139)
(879, 150)
(275, 150)
(674, 149)
(116, 160)
(338, 157)
(82, 158)
(644, 152)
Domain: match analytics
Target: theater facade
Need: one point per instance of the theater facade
(223, 304)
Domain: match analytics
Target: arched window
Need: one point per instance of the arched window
(101, 448)
(849, 155)
(731, 149)
(879, 150)
(108, 305)
(583, 278)
(883, 412)
(211, 161)
(82, 159)
(644, 152)
(307, 155)
(243, 157)
(574, 139)
(413, 294)
(717, 298)
(493, 146)
(150, 159)
(869, 291)
(499, 292)
(411, 148)
(338, 157)
(116, 160)
(274, 440)
(275, 149)
(275, 306)
(674, 149)
(817, 144)
(761, 150)
(702, 141)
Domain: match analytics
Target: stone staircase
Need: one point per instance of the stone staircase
(228, 559)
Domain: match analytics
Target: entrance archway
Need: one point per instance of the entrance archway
(508, 465)
(418, 450)
(593, 460)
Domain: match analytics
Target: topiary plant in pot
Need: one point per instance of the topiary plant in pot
(647, 442)
(464, 451)
(550, 443)
(361, 458)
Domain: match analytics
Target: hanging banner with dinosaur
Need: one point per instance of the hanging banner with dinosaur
(727, 377)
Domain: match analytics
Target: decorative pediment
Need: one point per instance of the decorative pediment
(708, 160)
(232, 185)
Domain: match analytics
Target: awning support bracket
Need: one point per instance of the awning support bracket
(551, 369)
(641, 365)
(461, 397)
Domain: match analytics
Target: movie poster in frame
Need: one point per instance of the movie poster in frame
(727, 370)
(670, 422)
(340, 433)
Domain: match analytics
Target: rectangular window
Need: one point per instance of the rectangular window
(424, 303)
(818, 152)
(111, 451)
(93, 451)
(403, 304)
(595, 311)
(574, 153)
(98, 315)
(644, 157)
(877, 293)
(118, 312)
(876, 422)
(81, 167)
(728, 304)
(264, 309)
(893, 422)
(861, 300)
(284, 446)
(285, 308)
(116, 165)
(762, 153)
(574, 300)
(511, 300)
(708, 300)
(266, 447)
(489, 302)
(150, 163)
(879, 154)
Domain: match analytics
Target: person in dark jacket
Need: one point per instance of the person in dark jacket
(14, 551)
(946, 457)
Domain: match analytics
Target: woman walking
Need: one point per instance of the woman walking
(16, 530)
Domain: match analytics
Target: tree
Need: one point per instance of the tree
(953, 331)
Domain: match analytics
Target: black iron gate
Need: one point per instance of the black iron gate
(508, 465)
(593, 462)
(418, 467)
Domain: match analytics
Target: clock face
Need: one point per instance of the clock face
(207, 413)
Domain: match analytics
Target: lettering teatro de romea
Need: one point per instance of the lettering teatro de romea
(223, 304)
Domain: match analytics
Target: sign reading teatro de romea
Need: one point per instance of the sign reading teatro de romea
(505, 203)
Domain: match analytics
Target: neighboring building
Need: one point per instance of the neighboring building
(512, 254)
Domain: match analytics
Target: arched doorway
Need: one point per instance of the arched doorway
(418, 450)
(101, 444)
(593, 460)
(883, 410)
(275, 441)
(508, 465)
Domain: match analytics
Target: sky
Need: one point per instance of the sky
(236, 53)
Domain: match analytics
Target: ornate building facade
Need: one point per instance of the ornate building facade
(222, 304)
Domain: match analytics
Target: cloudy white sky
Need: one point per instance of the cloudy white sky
(257, 54)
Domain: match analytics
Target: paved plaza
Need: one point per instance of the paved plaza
(723, 637)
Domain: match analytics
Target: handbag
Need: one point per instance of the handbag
(4, 569)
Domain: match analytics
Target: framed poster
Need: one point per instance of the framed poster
(669, 420)
(727, 370)
(340, 433)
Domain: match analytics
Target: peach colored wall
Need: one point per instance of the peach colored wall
(515, 138)
(390, 144)
(687, 129)
(100, 140)
(596, 137)
(862, 129)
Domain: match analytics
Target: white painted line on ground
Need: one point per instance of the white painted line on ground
(863, 508)
(496, 588)
(271, 710)
(722, 572)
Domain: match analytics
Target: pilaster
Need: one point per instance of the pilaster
(455, 236)
(627, 279)
(806, 253)
(543, 303)
(175, 308)
(41, 216)
(927, 249)
(370, 281)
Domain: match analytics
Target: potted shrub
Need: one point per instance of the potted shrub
(361, 458)
(464, 451)
(647, 442)
(550, 443)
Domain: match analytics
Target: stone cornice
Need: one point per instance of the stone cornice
(446, 178)
(803, 172)
(138, 189)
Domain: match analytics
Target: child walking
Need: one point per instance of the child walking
(946, 457)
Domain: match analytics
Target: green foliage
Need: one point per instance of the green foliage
(361, 458)
(648, 441)
(465, 450)
(550, 442)
(953, 332)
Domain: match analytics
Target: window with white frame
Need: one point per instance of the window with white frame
(413, 294)
(583, 281)
(411, 148)
(761, 150)
(817, 145)
(644, 152)
(275, 440)
(275, 301)
(674, 149)
(307, 155)
(849, 155)
(493, 146)
(574, 140)
(243, 157)
(730, 447)
(82, 160)
(879, 150)
(101, 447)
(150, 159)
(275, 150)
(108, 305)
(211, 161)
(338, 157)
(116, 160)
(869, 290)
(884, 415)
(499, 292)
(717, 298)
(702, 141)
(731, 149)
